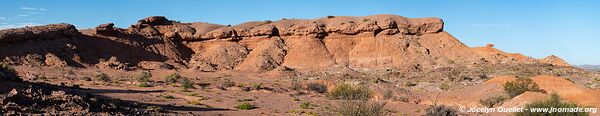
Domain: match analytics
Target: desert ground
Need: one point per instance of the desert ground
(335, 65)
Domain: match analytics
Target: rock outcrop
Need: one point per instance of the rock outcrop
(37, 32)
(554, 60)
(369, 42)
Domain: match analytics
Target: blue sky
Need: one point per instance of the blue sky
(534, 28)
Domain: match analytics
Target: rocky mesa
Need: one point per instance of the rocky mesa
(368, 42)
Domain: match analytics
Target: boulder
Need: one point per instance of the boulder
(153, 21)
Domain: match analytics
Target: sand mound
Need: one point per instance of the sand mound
(524, 99)
(500, 80)
(568, 90)
(470, 96)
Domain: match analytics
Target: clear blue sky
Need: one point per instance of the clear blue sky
(535, 28)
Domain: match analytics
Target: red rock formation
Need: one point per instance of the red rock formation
(377, 41)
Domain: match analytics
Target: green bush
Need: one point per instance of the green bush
(187, 84)
(306, 105)
(295, 85)
(440, 110)
(245, 106)
(349, 92)
(360, 108)
(102, 77)
(492, 101)
(168, 96)
(153, 108)
(553, 102)
(144, 84)
(7, 71)
(445, 86)
(317, 87)
(143, 77)
(226, 83)
(521, 85)
(256, 86)
(172, 78)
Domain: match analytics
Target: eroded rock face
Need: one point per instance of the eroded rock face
(268, 55)
(218, 56)
(376, 41)
(37, 32)
(31, 45)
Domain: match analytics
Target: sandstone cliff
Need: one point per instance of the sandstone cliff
(369, 42)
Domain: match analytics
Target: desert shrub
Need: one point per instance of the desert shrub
(409, 84)
(167, 96)
(245, 106)
(350, 92)
(306, 105)
(330, 16)
(153, 108)
(7, 71)
(256, 86)
(492, 101)
(360, 108)
(143, 77)
(86, 78)
(172, 78)
(144, 84)
(226, 83)
(317, 87)
(102, 77)
(195, 102)
(39, 77)
(519, 86)
(193, 94)
(440, 110)
(445, 86)
(245, 100)
(388, 94)
(187, 84)
(296, 85)
(553, 102)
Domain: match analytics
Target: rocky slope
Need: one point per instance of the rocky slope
(369, 42)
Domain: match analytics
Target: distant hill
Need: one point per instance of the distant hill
(589, 67)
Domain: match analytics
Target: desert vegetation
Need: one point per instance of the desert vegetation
(350, 92)
(143, 79)
(493, 101)
(553, 102)
(360, 108)
(245, 106)
(521, 85)
(6, 70)
(440, 110)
